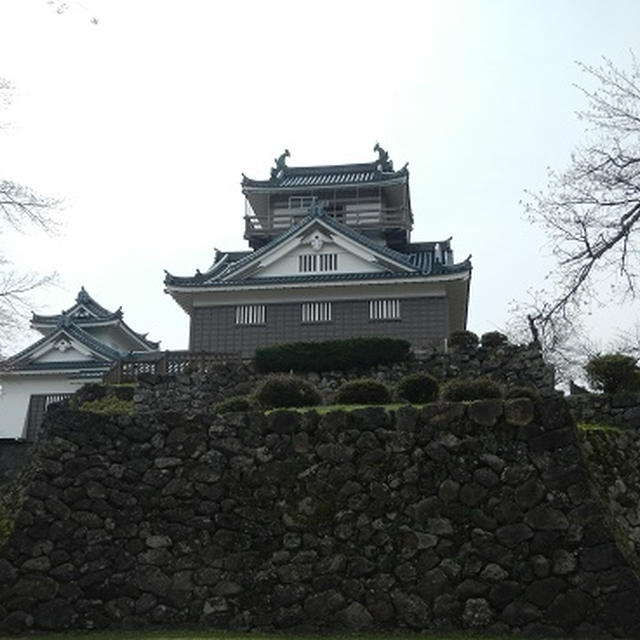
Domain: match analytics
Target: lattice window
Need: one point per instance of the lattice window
(251, 314)
(316, 312)
(388, 309)
(317, 262)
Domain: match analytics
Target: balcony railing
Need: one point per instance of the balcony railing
(165, 362)
(362, 219)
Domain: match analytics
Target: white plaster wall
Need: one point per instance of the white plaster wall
(115, 338)
(15, 393)
(347, 262)
(70, 355)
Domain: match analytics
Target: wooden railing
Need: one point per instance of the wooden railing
(363, 219)
(38, 404)
(165, 362)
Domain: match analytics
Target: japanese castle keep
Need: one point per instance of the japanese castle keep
(330, 257)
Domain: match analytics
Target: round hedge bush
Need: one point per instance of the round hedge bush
(463, 341)
(235, 403)
(521, 392)
(287, 391)
(493, 339)
(471, 389)
(418, 388)
(363, 391)
(613, 373)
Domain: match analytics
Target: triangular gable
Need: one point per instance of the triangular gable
(314, 235)
(63, 349)
(67, 344)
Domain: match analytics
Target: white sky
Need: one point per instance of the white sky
(144, 122)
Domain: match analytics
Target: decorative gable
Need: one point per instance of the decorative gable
(319, 246)
(62, 348)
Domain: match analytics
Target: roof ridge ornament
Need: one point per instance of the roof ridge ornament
(317, 208)
(82, 296)
(279, 169)
(384, 162)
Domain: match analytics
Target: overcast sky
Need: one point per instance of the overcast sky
(143, 122)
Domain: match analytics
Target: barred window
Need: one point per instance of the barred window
(384, 309)
(314, 262)
(251, 314)
(316, 312)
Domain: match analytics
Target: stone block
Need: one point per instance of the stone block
(485, 412)
(519, 411)
(477, 613)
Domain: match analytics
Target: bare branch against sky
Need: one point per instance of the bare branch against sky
(21, 209)
(590, 211)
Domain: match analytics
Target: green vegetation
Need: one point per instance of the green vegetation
(287, 391)
(596, 426)
(108, 404)
(418, 388)
(11, 499)
(613, 373)
(363, 391)
(493, 339)
(463, 341)
(521, 392)
(328, 408)
(333, 355)
(463, 389)
(235, 403)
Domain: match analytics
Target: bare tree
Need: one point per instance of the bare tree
(591, 210)
(21, 210)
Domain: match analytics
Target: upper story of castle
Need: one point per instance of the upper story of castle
(371, 198)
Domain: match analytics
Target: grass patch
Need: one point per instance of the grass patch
(598, 426)
(108, 404)
(328, 408)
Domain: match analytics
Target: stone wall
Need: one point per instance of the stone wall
(613, 463)
(621, 409)
(509, 365)
(475, 516)
(12, 457)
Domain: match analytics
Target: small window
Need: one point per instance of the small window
(301, 202)
(307, 262)
(251, 314)
(316, 312)
(328, 262)
(317, 262)
(384, 309)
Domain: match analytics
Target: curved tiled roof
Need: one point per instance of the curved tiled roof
(327, 175)
(98, 316)
(418, 261)
(323, 277)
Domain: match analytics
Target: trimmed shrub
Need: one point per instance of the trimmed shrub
(333, 355)
(613, 373)
(463, 341)
(471, 389)
(418, 388)
(521, 392)
(287, 391)
(363, 391)
(493, 339)
(235, 403)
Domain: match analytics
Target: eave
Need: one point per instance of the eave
(186, 296)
